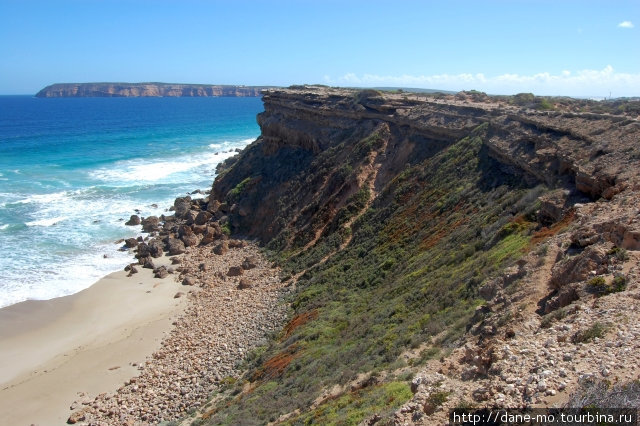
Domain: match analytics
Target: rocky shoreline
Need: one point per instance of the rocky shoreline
(234, 304)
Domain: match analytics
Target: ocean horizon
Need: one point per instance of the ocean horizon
(72, 171)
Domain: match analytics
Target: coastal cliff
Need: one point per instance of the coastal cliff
(436, 251)
(429, 238)
(107, 90)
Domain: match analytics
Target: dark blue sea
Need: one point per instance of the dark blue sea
(72, 170)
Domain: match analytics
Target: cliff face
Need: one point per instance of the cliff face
(65, 90)
(424, 236)
(586, 154)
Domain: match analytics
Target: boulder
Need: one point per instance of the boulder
(143, 250)
(155, 247)
(213, 206)
(130, 242)
(199, 229)
(76, 417)
(249, 262)
(181, 206)
(563, 297)
(147, 263)
(202, 218)
(175, 246)
(131, 268)
(235, 271)
(237, 244)
(189, 240)
(207, 238)
(160, 272)
(133, 220)
(190, 217)
(150, 224)
(184, 230)
(221, 248)
(189, 281)
(244, 284)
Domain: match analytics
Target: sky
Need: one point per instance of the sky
(561, 47)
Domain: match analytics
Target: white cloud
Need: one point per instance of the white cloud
(567, 83)
(625, 24)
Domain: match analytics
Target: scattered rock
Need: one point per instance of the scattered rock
(189, 281)
(178, 295)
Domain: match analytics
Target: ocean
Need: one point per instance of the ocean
(73, 170)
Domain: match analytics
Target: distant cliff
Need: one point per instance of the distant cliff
(112, 90)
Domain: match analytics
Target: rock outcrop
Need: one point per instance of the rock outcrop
(112, 90)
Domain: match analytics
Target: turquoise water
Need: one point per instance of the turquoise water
(73, 170)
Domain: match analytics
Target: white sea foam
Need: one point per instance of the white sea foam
(77, 274)
(161, 170)
(46, 198)
(46, 222)
(4, 226)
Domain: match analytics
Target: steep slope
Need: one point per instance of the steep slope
(108, 90)
(396, 218)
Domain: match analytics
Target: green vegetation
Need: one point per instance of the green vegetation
(556, 315)
(409, 275)
(353, 407)
(598, 330)
(619, 253)
(599, 286)
(239, 189)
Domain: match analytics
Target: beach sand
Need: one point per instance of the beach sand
(54, 351)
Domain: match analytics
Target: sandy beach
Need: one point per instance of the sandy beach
(57, 351)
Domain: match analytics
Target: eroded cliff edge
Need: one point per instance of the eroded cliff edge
(108, 90)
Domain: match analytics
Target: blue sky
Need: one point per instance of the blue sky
(564, 47)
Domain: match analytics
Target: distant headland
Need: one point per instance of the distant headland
(111, 90)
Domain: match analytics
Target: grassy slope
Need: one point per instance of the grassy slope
(410, 273)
